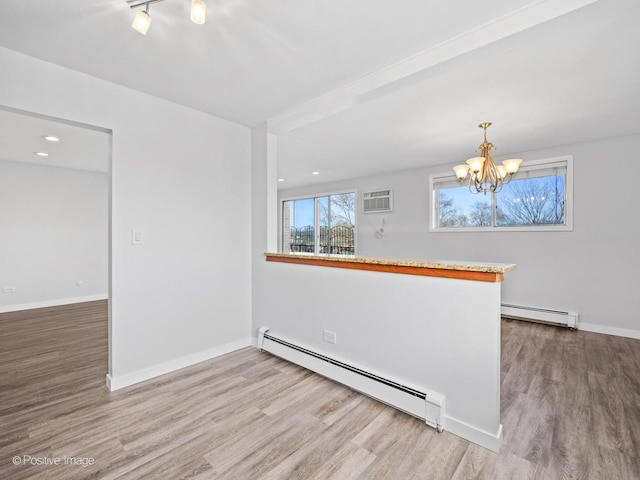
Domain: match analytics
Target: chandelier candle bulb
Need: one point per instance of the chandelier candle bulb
(475, 163)
(512, 165)
(461, 171)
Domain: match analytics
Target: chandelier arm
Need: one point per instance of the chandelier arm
(489, 178)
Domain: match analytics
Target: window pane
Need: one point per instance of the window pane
(287, 226)
(532, 201)
(342, 223)
(539, 197)
(457, 207)
(335, 224)
(298, 218)
(324, 239)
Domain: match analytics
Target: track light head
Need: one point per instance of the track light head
(142, 21)
(198, 11)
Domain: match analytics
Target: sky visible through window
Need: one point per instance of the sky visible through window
(463, 199)
(304, 213)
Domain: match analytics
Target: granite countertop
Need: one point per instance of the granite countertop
(436, 264)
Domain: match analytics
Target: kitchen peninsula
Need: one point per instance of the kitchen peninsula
(429, 327)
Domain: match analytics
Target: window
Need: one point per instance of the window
(539, 197)
(320, 225)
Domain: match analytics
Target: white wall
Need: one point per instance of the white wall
(410, 329)
(181, 176)
(591, 270)
(405, 327)
(54, 234)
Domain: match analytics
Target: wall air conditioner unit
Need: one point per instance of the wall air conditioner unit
(378, 201)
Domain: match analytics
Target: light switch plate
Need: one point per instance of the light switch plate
(137, 238)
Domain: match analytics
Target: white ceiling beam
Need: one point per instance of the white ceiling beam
(390, 78)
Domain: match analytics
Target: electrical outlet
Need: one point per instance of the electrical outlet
(329, 337)
(8, 289)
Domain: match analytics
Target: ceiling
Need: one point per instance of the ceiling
(364, 87)
(22, 136)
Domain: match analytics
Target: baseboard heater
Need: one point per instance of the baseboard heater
(421, 403)
(555, 317)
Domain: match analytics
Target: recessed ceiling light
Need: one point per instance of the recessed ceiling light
(315, 173)
(41, 154)
(281, 179)
(51, 138)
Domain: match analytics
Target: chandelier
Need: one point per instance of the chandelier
(480, 174)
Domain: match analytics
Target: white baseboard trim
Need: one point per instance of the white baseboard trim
(426, 410)
(429, 408)
(122, 381)
(619, 332)
(474, 434)
(52, 303)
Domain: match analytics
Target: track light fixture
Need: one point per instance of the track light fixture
(142, 20)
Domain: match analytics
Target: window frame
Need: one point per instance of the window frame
(565, 161)
(315, 197)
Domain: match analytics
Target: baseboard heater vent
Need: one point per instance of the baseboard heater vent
(424, 404)
(555, 317)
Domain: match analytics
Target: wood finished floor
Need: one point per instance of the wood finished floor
(570, 410)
